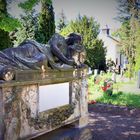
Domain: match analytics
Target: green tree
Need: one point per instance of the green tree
(62, 21)
(7, 24)
(27, 29)
(129, 34)
(89, 30)
(28, 5)
(46, 23)
(137, 44)
(128, 47)
(4, 35)
(125, 9)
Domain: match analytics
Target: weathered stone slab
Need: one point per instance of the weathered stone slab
(19, 110)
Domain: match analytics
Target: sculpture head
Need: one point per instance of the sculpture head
(67, 51)
(73, 38)
(76, 50)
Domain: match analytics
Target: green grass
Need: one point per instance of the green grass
(118, 98)
(121, 98)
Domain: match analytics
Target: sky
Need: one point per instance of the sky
(102, 10)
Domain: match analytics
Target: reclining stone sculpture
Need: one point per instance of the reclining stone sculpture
(59, 53)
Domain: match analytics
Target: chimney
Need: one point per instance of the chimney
(106, 30)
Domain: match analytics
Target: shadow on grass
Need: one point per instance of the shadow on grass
(121, 98)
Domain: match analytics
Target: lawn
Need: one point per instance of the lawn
(117, 98)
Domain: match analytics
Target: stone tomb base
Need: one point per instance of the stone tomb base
(36, 103)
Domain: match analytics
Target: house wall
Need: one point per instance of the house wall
(112, 49)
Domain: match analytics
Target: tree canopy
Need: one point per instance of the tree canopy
(89, 30)
(39, 26)
(46, 22)
(61, 23)
(5, 26)
(129, 34)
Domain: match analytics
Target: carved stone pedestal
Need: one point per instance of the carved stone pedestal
(20, 117)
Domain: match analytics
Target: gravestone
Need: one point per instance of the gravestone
(42, 94)
(95, 72)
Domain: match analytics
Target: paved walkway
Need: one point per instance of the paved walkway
(68, 133)
(130, 88)
(113, 125)
(105, 123)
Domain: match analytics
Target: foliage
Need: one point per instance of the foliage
(96, 55)
(89, 30)
(46, 23)
(9, 24)
(122, 99)
(5, 41)
(61, 22)
(28, 23)
(27, 29)
(104, 83)
(96, 82)
(4, 26)
(128, 46)
(110, 65)
(125, 9)
(129, 35)
(137, 43)
(117, 98)
(35, 26)
(108, 87)
(28, 5)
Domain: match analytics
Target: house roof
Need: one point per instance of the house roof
(114, 39)
(106, 33)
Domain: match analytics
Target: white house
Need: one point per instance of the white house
(113, 48)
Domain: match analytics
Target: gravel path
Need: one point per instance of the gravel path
(130, 88)
(127, 87)
(106, 122)
(107, 125)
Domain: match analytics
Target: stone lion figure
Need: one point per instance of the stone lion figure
(60, 53)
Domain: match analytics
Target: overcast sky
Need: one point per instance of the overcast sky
(102, 10)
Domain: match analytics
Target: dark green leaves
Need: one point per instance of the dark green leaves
(28, 5)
